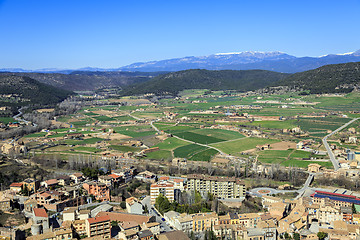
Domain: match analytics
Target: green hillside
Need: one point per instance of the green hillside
(172, 83)
(327, 79)
(19, 90)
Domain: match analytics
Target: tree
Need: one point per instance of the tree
(123, 204)
(296, 236)
(322, 235)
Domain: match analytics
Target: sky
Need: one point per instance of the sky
(37, 34)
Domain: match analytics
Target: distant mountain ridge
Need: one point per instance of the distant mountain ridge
(272, 61)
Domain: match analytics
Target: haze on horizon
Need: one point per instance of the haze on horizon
(76, 34)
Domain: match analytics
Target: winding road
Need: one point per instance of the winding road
(334, 161)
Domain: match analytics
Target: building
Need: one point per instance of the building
(166, 188)
(314, 167)
(340, 200)
(31, 184)
(99, 190)
(133, 205)
(221, 187)
(40, 221)
(178, 235)
(98, 226)
(16, 187)
(58, 234)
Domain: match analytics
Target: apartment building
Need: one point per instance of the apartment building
(99, 190)
(166, 188)
(222, 187)
(98, 226)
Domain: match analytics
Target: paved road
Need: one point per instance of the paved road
(334, 161)
(153, 212)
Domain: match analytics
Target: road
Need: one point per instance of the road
(270, 191)
(153, 212)
(334, 161)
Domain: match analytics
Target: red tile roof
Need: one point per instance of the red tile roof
(40, 212)
(16, 184)
(98, 219)
(114, 176)
(164, 178)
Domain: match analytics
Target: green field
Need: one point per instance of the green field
(287, 124)
(188, 151)
(198, 138)
(6, 120)
(171, 143)
(237, 146)
(205, 155)
(124, 148)
(34, 135)
(162, 154)
(219, 133)
(104, 118)
(295, 158)
(83, 142)
(88, 149)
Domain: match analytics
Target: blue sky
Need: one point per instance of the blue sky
(79, 33)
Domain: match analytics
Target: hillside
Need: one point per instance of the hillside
(172, 83)
(327, 79)
(83, 80)
(20, 90)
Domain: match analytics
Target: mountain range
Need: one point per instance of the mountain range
(272, 61)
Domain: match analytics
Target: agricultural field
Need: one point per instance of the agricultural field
(290, 157)
(237, 146)
(287, 124)
(6, 120)
(171, 144)
(188, 151)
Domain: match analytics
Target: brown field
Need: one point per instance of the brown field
(283, 146)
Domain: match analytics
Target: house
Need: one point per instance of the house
(107, 180)
(50, 183)
(146, 176)
(133, 205)
(16, 187)
(77, 177)
(145, 235)
(41, 220)
(314, 167)
(31, 184)
(64, 180)
(57, 234)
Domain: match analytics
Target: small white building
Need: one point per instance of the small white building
(134, 206)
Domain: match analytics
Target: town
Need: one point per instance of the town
(203, 165)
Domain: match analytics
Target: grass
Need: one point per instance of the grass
(219, 133)
(290, 158)
(6, 120)
(205, 155)
(198, 138)
(104, 118)
(88, 149)
(34, 135)
(83, 142)
(124, 148)
(238, 146)
(171, 144)
(287, 124)
(188, 151)
(162, 154)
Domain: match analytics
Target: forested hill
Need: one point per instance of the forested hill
(327, 79)
(85, 80)
(172, 83)
(25, 90)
